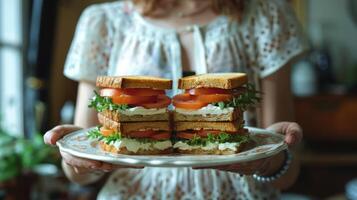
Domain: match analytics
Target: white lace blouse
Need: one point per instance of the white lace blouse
(114, 39)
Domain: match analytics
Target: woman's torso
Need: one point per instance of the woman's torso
(124, 43)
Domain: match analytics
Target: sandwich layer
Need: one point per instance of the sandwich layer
(132, 115)
(213, 80)
(128, 127)
(135, 148)
(134, 82)
(210, 149)
(233, 126)
(207, 113)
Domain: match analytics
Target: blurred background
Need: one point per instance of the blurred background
(34, 96)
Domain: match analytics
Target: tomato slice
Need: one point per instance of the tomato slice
(187, 101)
(186, 135)
(162, 102)
(213, 98)
(161, 136)
(105, 131)
(133, 100)
(143, 92)
(201, 91)
(109, 92)
(141, 134)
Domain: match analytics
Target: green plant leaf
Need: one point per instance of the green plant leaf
(248, 98)
(219, 138)
(105, 103)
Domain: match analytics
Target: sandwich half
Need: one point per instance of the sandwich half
(137, 138)
(219, 138)
(214, 97)
(132, 98)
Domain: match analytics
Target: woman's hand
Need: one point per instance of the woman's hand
(80, 165)
(268, 166)
(291, 130)
(78, 169)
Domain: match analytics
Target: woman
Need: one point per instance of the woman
(165, 38)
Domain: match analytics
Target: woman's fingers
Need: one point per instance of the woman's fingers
(291, 130)
(293, 134)
(82, 165)
(58, 132)
(80, 162)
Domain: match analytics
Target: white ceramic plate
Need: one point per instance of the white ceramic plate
(267, 144)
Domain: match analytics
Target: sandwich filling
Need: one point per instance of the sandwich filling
(210, 140)
(207, 110)
(133, 141)
(131, 101)
(204, 101)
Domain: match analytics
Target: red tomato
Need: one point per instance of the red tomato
(213, 98)
(161, 136)
(201, 91)
(162, 102)
(133, 100)
(109, 92)
(141, 134)
(187, 101)
(186, 135)
(105, 131)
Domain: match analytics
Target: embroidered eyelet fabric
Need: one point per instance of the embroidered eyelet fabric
(113, 39)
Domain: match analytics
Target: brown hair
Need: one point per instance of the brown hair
(231, 8)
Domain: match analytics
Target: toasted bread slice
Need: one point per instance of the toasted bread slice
(120, 117)
(235, 115)
(222, 126)
(214, 80)
(127, 127)
(134, 82)
(124, 150)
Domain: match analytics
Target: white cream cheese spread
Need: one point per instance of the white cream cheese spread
(135, 145)
(142, 111)
(209, 146)
(207, 110)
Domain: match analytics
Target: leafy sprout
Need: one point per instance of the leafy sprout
(217, 138)
(243, 101)
(105, 103)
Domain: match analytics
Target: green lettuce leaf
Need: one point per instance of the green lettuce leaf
(217, 138)
(105, 103)
(95, 134)
(249, 98)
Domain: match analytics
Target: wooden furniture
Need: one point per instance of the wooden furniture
(328, 117)
(329, 154)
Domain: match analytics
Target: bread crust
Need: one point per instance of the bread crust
(222, 126)
(124, 150)
(127, 127)
(228, 117)
(119, 117)
(134, 82)
(213, 80)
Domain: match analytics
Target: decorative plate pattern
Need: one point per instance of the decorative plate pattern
(267, 144)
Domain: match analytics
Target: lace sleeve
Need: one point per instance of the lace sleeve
(278, 37)
(89, 54)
